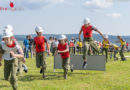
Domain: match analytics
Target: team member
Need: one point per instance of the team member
(105, 48)
(39, 46)
(87, 29)
(26, 47)
(9, 28)
(10, 51)
(123, 43)
(63, 49)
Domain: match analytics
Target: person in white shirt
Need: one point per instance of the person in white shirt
(9, 51)
(9, 28)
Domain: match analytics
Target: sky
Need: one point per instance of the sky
(111, 17)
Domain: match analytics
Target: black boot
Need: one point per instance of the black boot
(44, 76)
(123, 59)
(72, 70)
(65, 74)
(41, 71)
(84, 65)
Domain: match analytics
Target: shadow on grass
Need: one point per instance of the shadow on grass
(30, 78)
(82, 73)
(2, 86)
(55, 76)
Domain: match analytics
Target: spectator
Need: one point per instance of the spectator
(26, 47)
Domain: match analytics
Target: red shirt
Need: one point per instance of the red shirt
(62, 48)
(40, 43)
(87, 31)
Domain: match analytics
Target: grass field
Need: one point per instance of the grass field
(116, 77)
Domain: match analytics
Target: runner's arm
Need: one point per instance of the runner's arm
(80, 34)
(66, 50)
(100, 33)
(19, 52)
(48, 47)
(117, 41)
(16, 55)
(96, 30)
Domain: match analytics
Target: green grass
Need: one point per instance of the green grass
(116, 77)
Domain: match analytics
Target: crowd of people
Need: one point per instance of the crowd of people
(14, 55)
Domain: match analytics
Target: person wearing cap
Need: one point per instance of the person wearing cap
(123, 43)
(105, 48)
(63, 49)
(9, 28)
(10, 51)
(87, 30)
(39, 47)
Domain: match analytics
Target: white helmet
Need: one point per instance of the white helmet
(7, 34)
(62, 37)
(106, 36)
(39, 29)
(86, 21)
(8, 27)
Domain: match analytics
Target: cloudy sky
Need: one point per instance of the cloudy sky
(66, 16)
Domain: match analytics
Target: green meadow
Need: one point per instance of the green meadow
(116, 77)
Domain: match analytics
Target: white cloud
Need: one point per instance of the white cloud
(31, 4)
(114, 15)
(98, 4)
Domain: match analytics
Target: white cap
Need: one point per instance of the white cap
(62, 37)
(8, 27)
(8, 30)
(7, 34)
(86, 21)
(106, 36)
(39, 29)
